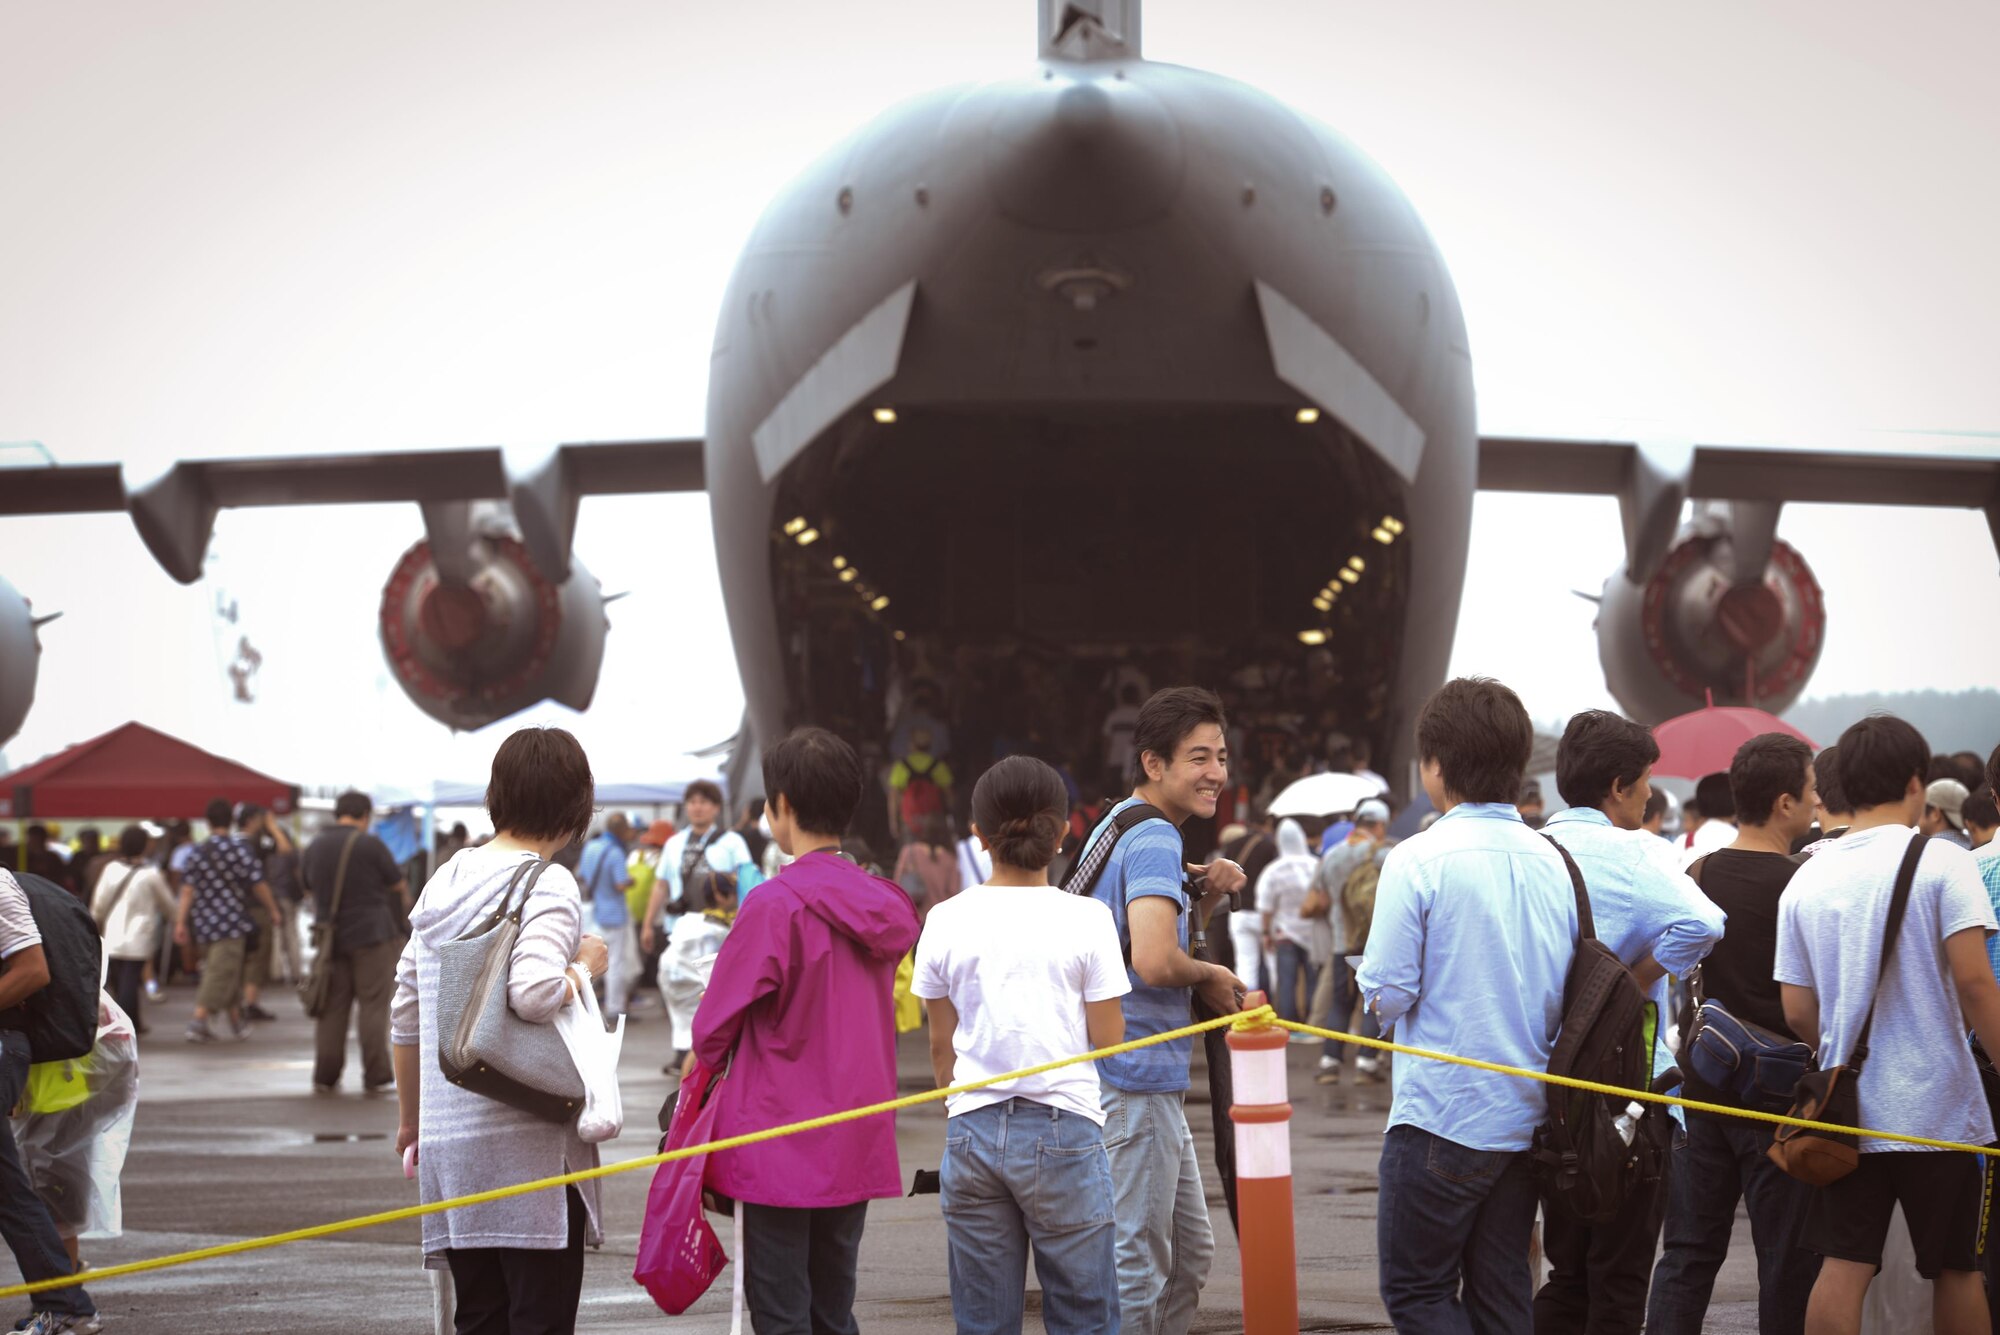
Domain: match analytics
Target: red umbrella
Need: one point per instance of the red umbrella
(1704, 742)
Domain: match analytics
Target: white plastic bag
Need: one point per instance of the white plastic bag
(595, 1051)
(74, 1157)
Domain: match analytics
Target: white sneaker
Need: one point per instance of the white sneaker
(1328, 1063)
(1368, 1065)
(152, 989)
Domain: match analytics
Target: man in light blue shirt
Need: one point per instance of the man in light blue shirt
(1475, 928)
(1987, 858)
(1657, 922)
(604, 877)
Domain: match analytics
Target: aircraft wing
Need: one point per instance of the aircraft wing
(175, 511)
(1652, 479)
(597, 468)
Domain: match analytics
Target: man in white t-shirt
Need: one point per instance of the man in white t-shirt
(1918, 1077)
(24, 1221)
(1017, 973)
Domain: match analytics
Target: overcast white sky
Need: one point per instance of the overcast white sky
(237, 227)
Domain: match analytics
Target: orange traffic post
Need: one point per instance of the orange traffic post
(1262, 1114)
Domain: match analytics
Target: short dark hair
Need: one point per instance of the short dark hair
(1656, 806)
(1826, 777)
(1600, 749)
(1767, 767)
(1939, 767)
(353, 805)
(1980, 809)
(1878, 758)
(820, 776)
(703, 788)
(1166, 719)
(131, 841)
(247, 812)
(1479, 734)
(1993, 770)
(218, 813)
(1022, 808)
(1967, 769)
(541, 786)
(1717, 800)
(706, 886)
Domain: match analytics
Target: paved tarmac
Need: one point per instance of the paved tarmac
(230, 1143)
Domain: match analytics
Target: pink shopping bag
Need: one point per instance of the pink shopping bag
(679, 1254)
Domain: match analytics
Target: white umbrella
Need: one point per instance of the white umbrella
(1324, 795)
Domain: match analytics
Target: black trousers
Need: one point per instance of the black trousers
(126, 978)
(520, 1290)
(1599, 1273)
(798, 1268)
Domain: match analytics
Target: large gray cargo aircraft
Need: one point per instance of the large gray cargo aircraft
(1116, 357)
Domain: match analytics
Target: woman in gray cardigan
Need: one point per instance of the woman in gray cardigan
(516, 1264)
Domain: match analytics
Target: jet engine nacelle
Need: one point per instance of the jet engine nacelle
(1693, 631)
(20, 659)
(492, 636)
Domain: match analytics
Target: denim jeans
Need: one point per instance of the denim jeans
(1719, 1161)
(1164, 1242)
(1345, 994)
(1294, 962)
(1020, 1174)
(24, 1221)
(1452, 1230)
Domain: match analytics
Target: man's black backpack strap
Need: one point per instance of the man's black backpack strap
(1089, 869)
(1582, 1160)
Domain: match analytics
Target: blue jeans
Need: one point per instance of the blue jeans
(1294, 960)
(1165, 1244)
(1020, 1174)
(1452, 1230)
(1719, 1161)
(1345, 994)
(24, 1221)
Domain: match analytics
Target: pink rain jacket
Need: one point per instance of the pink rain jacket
(804, 992)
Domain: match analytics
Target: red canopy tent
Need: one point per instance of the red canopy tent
(135, 771)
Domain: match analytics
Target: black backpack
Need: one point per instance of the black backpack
(1581, 1160)
(61, 1019)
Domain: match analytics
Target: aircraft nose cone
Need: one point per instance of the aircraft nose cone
(1088, 155)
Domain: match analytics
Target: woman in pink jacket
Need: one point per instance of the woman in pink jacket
(800, 1009)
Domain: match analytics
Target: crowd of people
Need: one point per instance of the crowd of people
(1840, 903)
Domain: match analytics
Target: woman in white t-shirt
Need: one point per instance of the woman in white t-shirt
(1016, 973)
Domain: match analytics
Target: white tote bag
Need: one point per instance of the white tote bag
(595, 1051)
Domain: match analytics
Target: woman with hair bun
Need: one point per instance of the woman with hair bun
(1017, 973)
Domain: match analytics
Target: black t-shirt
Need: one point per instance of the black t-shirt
(1737, 973)
(368, 908)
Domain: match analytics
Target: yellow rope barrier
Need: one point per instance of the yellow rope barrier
(1257, 1018)
(1647, 1095)
(1263, 1015)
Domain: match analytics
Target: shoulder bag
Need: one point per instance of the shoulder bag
(1824, 1157)
(317, 986)
(1755, 1067)
(483, 1045)
(103, 916)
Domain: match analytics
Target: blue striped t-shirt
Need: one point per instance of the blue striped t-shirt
(1147, 861)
